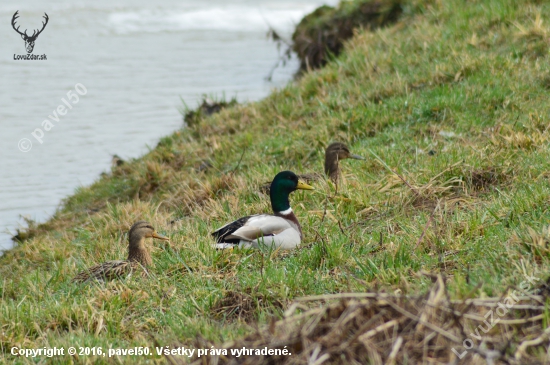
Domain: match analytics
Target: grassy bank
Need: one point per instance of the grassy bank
(450, 106)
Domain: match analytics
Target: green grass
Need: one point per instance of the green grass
(469, 82)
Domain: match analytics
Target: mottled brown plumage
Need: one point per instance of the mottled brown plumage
(334, 153)
(139, 257)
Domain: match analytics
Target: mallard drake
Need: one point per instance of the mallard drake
(280, 229)
(139, 257)
(334, 153)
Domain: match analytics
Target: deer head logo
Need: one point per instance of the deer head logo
(29, 40)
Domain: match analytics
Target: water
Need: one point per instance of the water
(135, 60)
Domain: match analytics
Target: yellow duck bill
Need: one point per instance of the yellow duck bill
(160, 237)
(302, 185)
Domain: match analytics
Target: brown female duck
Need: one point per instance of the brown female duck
(139, 257)
(334, 153)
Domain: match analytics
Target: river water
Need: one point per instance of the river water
(133, 62)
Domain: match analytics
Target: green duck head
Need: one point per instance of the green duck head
(284, 183)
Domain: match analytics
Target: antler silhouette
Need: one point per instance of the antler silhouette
(15, 16)
(34, 34)
(43, 26)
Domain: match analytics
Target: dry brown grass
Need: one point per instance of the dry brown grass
(383, 328)
(243, 305)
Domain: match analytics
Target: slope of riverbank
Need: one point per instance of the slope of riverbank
(450, 107)
(137, 60)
